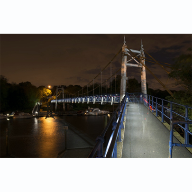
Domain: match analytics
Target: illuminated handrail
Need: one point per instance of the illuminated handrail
(117, 123)
(109, 98)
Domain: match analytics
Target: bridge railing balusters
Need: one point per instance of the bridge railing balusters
(162, 112)
(187, 132)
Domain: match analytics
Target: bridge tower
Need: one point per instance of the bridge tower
(126, 63)
(123, 70)
(143, 71)
(57, 89)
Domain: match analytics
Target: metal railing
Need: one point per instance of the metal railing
(186, 144)
(117, 124)
(170, 112)
(102, 99)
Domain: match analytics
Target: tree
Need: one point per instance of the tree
(3, 93)
(182, 71)
(43, 93)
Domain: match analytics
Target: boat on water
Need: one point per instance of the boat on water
(22, 115)
(95, 111)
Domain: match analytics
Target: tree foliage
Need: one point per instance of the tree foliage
(21, 97)
(182, 71)
(43, 93)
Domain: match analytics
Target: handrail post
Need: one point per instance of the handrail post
(186, 126)
(162, 113)
(152, 103)
(119, 132)
(114, 154)
(171, 140)
(171, 112)
(149, 102)
(156, 107)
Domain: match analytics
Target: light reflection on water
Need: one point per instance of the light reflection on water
(40, 137)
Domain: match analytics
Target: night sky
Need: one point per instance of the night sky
(64, 59)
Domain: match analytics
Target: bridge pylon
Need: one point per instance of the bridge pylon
(126, 63)
(57, 89)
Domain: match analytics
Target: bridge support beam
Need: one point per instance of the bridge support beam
(123, 72)
(124, 64)
(143, 72)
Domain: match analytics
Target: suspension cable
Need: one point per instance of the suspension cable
(151, 73)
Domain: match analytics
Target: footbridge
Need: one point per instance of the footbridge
(142, 125)
(145, 128)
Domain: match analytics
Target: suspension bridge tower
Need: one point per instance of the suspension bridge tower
(139, 58)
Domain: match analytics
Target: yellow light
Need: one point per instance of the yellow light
(49, 86)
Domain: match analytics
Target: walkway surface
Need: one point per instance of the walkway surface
(146, 137)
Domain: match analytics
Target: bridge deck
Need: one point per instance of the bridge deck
(146, 137)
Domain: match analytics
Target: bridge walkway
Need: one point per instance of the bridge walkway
(146, 137)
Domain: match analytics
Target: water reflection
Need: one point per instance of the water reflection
(40, 137)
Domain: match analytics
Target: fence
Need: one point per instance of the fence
(171, 144)
(117, 124)
(170, 112)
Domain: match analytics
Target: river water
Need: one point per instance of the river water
(45, 138)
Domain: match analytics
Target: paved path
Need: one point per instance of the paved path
(146, 137)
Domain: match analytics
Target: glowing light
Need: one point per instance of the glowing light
(49, 86)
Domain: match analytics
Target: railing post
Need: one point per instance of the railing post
(171, 112)
(149, 102)
(114, 154)
(171, 140)
(152, 103)
(156, 108)
(119, 131)
(162, 112)
(186, 126)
